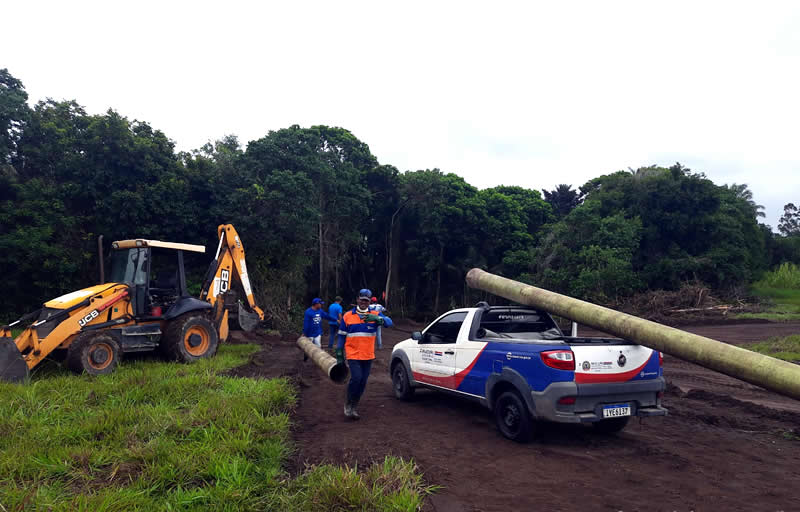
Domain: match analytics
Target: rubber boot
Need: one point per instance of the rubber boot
(353, 411)
(348, 405)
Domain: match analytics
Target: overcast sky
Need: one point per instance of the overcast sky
(530, 94)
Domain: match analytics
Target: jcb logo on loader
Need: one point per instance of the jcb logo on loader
(88, 318)
(222, 283)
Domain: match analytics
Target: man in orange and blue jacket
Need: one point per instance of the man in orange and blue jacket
(357, 333)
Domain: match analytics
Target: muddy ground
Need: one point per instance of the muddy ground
(725, 446)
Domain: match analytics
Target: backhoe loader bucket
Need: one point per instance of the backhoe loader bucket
(247, 320)
(12, 366)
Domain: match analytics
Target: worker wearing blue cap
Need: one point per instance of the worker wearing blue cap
(357, 343)
(312, 321)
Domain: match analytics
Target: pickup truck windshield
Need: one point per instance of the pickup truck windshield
(517, 324)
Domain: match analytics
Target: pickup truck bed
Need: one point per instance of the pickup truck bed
(518, 363)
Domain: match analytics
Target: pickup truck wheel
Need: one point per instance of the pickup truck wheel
(611, 426)
(402, 388)
(512, 417)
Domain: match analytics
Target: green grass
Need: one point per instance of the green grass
(163, 436)
(786, 348)
(784, 302)
(393, 485)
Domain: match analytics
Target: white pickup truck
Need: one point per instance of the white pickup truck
(517, 362)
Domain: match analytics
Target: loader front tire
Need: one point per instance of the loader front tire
(190, 337)
(93, 353)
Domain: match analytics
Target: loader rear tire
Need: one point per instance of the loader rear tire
(190, 337)
(93, 353)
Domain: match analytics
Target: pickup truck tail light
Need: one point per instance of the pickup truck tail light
(560, 359)
(660, 358)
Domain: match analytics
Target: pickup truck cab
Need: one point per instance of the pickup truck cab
(517, 362)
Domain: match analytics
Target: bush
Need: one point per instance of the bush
(787, 275)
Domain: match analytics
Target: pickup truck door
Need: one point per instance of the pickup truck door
(435, 358)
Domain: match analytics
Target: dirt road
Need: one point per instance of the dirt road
(726, 445)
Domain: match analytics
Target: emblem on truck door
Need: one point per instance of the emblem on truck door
(621, 361)
(586, 366)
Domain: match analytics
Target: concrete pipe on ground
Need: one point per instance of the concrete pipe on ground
(337, 372)
(770, 373)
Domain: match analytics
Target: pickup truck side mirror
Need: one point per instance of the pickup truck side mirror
(416, 336)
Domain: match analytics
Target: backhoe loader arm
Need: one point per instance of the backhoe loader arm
(228, 261)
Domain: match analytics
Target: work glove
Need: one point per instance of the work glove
(375, 318)
(339, 356)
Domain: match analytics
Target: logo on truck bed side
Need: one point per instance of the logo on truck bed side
(511, 356)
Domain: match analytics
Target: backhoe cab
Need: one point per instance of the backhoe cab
(146, 306)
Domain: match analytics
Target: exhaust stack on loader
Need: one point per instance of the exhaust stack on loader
(770, 373)
(337, 372)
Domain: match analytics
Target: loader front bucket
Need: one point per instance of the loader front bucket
(12, 366)
(247, 320)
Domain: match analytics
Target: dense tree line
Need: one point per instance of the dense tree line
(319, 215)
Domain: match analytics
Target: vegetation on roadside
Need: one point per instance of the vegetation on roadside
(779, 289)
(786, 348)
(164, 436)
(393, 485)
(785, 276)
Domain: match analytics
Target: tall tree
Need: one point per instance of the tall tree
(334, 160)
(690, 228)
(14, 112)
(789, 225)
(441, 232)
(745, 194)
(563, 199)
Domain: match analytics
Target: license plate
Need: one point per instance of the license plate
(615, 411)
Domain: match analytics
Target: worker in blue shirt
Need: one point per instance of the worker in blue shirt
(335, 311)
(312, 321)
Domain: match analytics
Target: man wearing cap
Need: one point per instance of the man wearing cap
(334, 310)
(376, 308)
(312, 321)
(357, 336)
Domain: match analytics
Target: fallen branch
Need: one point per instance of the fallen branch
(723, 308)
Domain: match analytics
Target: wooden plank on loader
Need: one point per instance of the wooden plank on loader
(780, 376)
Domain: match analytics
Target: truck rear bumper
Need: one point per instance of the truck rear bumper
(641, 396)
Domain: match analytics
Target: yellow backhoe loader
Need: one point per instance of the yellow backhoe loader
(144, 307)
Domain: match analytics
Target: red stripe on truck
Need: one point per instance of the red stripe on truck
(451, 382)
